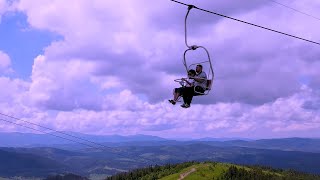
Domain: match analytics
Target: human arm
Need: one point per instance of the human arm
(202, 77)
(189, 83)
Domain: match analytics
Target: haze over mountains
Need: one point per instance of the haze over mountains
(40, 140)
(28, 139)
(43, 154)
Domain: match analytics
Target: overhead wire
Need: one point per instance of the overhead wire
(50, 129)
(252, 24)
(101, 146)
(46, 132)
(294, 9)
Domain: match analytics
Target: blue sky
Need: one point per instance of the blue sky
(22, 43)
(88, 67)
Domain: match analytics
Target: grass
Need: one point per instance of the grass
(203, 171)
(206, 171)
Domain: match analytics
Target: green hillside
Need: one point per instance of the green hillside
(212, 170)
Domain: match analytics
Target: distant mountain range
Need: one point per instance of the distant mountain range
(222, 139)
(87, 162)
(25, 164)
(286, 144)
(34, 140)
(39, 155)
(48, 140)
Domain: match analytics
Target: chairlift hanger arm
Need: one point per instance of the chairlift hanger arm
(193, 48)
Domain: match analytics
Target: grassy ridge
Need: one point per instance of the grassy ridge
(222, 171)
(204, 171)
(212, 170)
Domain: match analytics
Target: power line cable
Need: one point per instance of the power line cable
(245, 22)
(101, 145)
(301, 12)
(68, 139)
(46, 132)
(52, 130)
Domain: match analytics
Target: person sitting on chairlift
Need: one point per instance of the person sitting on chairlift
(200, 84)
(179, 91)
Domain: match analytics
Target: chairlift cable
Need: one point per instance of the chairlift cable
(265, 28)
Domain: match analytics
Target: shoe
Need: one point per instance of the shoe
(172, 102)
(185, 105)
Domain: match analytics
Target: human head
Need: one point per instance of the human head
(199, 68)
(191, 72)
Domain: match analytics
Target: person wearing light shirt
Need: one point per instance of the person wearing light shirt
(200, 83)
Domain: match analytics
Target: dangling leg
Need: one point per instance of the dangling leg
(188, 92)
(190, 96)
(193, 93)
(190, 99)
(176, 94)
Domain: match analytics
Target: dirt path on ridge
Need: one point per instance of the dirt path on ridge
(183, 175)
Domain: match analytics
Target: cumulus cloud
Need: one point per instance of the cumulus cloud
(5, 63)
(63, 85)
(115, 41)
(124, 113)
(114, 69)
(12, 89)
(3, 5)
(14, 101)
(119, 39)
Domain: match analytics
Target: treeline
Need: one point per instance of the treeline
(66, 177)
(152, 172)
(293, 174)
(257, 172)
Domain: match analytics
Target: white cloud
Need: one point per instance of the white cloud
(124, 113)
(3, 6)
(5, 63)
(122, 42)
(12, 89)
(6, 6)
(63, 85)
(14, 102)
(114, 53)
